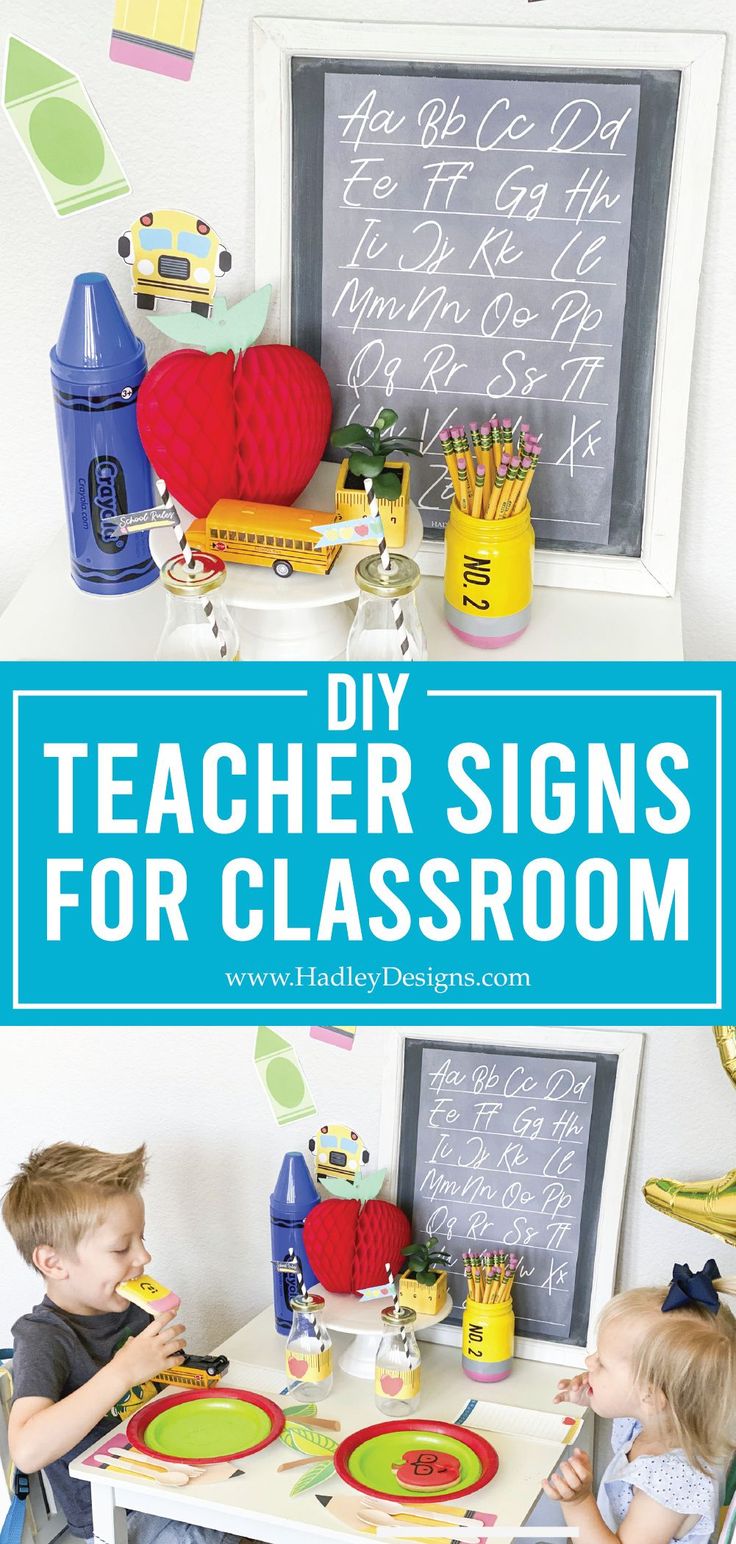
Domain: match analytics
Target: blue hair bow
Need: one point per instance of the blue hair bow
(688, 1287)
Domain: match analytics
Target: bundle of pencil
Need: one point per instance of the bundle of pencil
(490, 1277)
(490, 479)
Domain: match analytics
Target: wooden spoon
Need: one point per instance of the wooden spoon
(208, 1475)
(159, 1466)
(136, 1472)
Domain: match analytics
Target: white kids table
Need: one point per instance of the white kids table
(257, 1504)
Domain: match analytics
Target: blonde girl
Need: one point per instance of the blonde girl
(665, 1372)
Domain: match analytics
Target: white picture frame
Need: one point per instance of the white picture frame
(627, 1045)
(697, 55)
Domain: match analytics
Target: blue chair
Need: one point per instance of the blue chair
(28, 1512)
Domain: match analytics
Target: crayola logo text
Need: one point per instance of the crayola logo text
(107, 502)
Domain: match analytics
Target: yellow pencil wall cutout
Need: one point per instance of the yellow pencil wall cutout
(158, 35)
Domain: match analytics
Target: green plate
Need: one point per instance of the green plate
(367, 1458)
(206, 1427)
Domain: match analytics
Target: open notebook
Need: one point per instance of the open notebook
(516, 1421)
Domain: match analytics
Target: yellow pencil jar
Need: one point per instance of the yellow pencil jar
(488, 577)
(488, 1341)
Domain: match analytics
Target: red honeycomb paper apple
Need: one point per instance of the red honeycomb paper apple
(228, 418)
(350, 1239)
(425, 1470)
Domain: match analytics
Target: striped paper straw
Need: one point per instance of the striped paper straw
(188, 556)
(293, 1260)
(385, 558)
(395, 1295)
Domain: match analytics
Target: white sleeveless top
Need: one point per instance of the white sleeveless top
(667, 1477)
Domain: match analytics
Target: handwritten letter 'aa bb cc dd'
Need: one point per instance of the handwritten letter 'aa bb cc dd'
(475, 250)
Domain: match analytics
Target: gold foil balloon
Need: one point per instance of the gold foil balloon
(706, 1204)
(726, 1041)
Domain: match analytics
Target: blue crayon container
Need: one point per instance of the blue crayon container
(97, 366)
(292, 1199)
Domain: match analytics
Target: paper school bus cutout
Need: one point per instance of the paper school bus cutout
(174, 256)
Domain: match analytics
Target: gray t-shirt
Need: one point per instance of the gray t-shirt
(54, 1353)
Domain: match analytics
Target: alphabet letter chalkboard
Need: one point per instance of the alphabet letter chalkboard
(476, 241)
(504, 1147)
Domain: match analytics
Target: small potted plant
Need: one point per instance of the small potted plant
(367, 481)
(423, 1284)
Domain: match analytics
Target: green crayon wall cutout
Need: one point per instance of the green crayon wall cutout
(282, 1078)
(60, 131)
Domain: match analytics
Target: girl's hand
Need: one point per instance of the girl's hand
(573, 1481)
(574, 1390)
(158, 1346)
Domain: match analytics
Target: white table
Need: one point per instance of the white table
(257, 1504)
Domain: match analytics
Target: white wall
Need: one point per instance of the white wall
(190, 146)
(193, 1096)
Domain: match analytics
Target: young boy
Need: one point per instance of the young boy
(84, 1357)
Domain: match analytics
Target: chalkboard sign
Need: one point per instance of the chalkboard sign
(466, 248)
(468, 219)
(509, 1146)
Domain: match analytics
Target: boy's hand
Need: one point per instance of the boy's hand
(158, 1346)
(575, 1390)
(573, 1481)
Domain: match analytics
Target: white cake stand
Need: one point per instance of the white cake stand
(348, 1315)
(307, 615)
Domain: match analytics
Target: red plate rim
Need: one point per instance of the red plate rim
(478, 1445)
(139, 1422)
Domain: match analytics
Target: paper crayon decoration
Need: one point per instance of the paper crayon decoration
(60, 131)
(158, 35)
(334, 1034)
(282, 1078)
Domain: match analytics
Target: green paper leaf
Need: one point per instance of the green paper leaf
(314, 1475)
(352, 434)
(339, 1187)
(307, 1439)
(387, 486)
(294, 1411)
(186, 328)
(234, 328)
(386, 419)
(365, 1187)
(364, 465)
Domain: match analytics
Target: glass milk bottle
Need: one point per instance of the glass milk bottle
(198, 624)
(374, 634)
(398, 1363)
(309, 1350)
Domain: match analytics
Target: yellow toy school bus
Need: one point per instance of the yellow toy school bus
(276, 536)
(174, 256)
